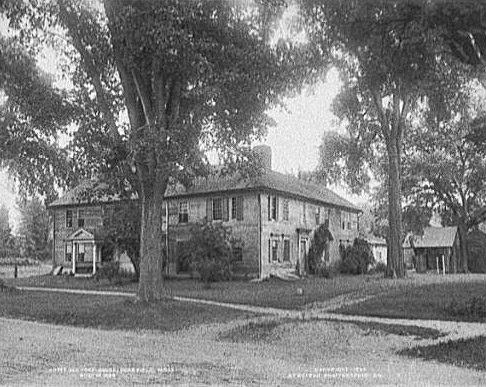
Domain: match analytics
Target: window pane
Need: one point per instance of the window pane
(233, 208)
(274, 250)
(69, 218)
(218, 209)
(286, 210)
(286, 253)
(183, 212)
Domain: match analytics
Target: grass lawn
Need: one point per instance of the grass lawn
(419, 296)
(470, 353)
(428, 301)
(109, 312)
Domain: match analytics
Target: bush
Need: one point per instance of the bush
(323, 271)
(211, 256)
(356, 259)
(474, 307)
(320, 239)
(110, 270)
(380, 267)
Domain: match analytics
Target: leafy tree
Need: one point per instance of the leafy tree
(121, 227)
(189, 75)
(32, 115)
(6, 239)
(390, 57)
(444, 172)
(34, 228)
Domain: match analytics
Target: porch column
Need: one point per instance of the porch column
(94, 258)
(74, 250)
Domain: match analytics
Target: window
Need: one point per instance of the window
(318, 216)
(272, 208)
(286, 252)
(217, 209)
(286, 210)
(237, 254)
(68, 252)
(304, 210)
(81, 215)
(328, 216)
(273, 250)
(183, 212)
(69, 218)
(81, 252)
(237, 208)
(343, 220)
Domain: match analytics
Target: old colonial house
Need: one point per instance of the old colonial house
(272, 216)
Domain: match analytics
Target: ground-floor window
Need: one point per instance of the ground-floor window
(237, 254)
(273, 250)
(286, 252)
(68, 252)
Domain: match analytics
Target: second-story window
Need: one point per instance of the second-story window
(81, 216)
(272, 207)
(237, 208)
(304, 212)
(218, 209)
(183, 212)
(69, 218)
(286, 210)
(318, 216)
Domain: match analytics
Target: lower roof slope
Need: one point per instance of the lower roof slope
(218, 183)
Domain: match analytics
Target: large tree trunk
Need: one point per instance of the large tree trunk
(463, 256)
(395, 261)
(151, 286)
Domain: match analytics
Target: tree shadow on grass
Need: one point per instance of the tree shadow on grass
(467, 353)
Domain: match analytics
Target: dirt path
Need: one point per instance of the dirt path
(296, 353)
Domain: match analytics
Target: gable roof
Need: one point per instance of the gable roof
(267, 180)
(86, 192)
(436, 237)
(217, 183)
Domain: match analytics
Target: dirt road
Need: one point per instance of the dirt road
(297, 353)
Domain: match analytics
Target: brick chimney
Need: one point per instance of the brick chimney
(264, 154)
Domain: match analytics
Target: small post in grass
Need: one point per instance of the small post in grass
(437, 264)
(443, 265)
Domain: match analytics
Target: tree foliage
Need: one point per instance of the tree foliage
(6, 238)
(34, 229)
(391, 56)
(188, 76)
(121, 229)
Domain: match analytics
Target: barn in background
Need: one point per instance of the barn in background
(437, 249)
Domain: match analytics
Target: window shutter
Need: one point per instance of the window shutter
(276, 207)
(269, 251)
(225, 209)
(239, 208)
(269, 207)
(209, 209)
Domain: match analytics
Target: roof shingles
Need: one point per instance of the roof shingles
(268, 180)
